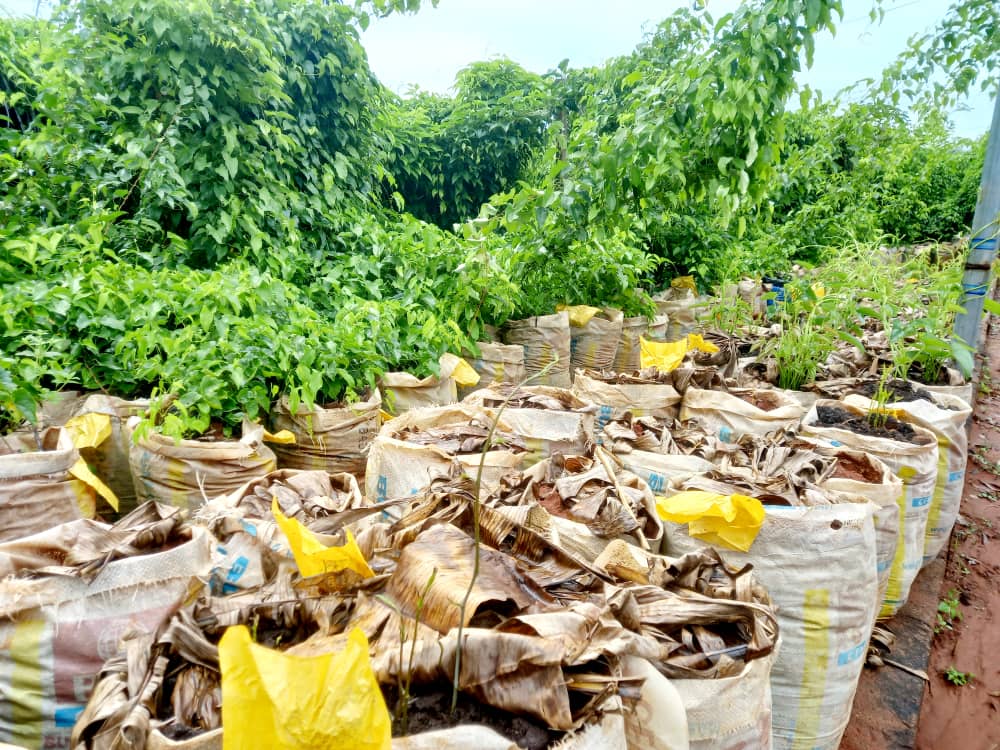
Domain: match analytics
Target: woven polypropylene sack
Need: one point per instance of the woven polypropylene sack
(545, 339)
(495, 363)
(593, 346)
(730, 415)
(327, 439)
(109, 460)
(731, 713)
(37, 490)
(946, 417)
(658, 328)
(884, 491)
(186, 473)
(398, 468)
(660, 469)
(917, 466)
(628, 357)
(613, 400)
(58, 631)
(819, 565)
(569, 431)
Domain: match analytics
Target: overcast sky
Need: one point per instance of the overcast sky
(428, 48)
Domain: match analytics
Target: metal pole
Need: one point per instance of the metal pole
(983, 245)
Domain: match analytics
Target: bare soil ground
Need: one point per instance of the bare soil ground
(968, 717)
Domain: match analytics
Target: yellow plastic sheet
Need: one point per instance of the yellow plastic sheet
(461, 371)
(731, 521)
(667, 356)
(89, 431)
(696, 342)
(579, 315)
(684, 282)
(312, 556)
(282, 437)
(286, 702)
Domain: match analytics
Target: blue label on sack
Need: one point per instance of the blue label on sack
(725, 434)
(657, 482)
(238, 568)
(603, 417)
(67, 715)
(884, 566)
(954, 476)
(920, 502)
(836, 443)
(249, 528)
(913, 565)
(381, 488)
(853, 654)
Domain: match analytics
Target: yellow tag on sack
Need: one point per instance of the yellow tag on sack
(579, 315)
(684, 282)
(287, 702)
(282, 437)
(315, 558)
(731, 521)
(696, 342)
(459, 370)
(89, 431)
(667, 356)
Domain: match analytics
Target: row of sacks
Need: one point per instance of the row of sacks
(440, 442)
(827, 516)
(295, 613)
(922, 440)
(906, 466)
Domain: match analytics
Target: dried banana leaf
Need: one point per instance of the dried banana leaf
(451, 553)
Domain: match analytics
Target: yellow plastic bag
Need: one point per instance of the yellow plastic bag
(281, 437)
(684, 282)
(696, 343)
(461, 371)
(667, 356)
(731, 521)
(89, 431)
(315, 558)
(286, 702)
(579, 315)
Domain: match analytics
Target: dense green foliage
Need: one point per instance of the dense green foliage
(217, 199)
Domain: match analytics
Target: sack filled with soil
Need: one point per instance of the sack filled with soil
(109, 459)
(73, 591)
(946, 416)
(328, 437)
(859, 474)
(37, 488)
(628, 358)
(911, 452)
(546, 340)
(818, 562)
(404, 391)
(548, 420)
(187, 473)
(646, 393)
(495, 363)
(422, 445)
(729, 415)
(594, 335)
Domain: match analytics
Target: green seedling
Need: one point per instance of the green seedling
(957, 678)
(948, 612)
